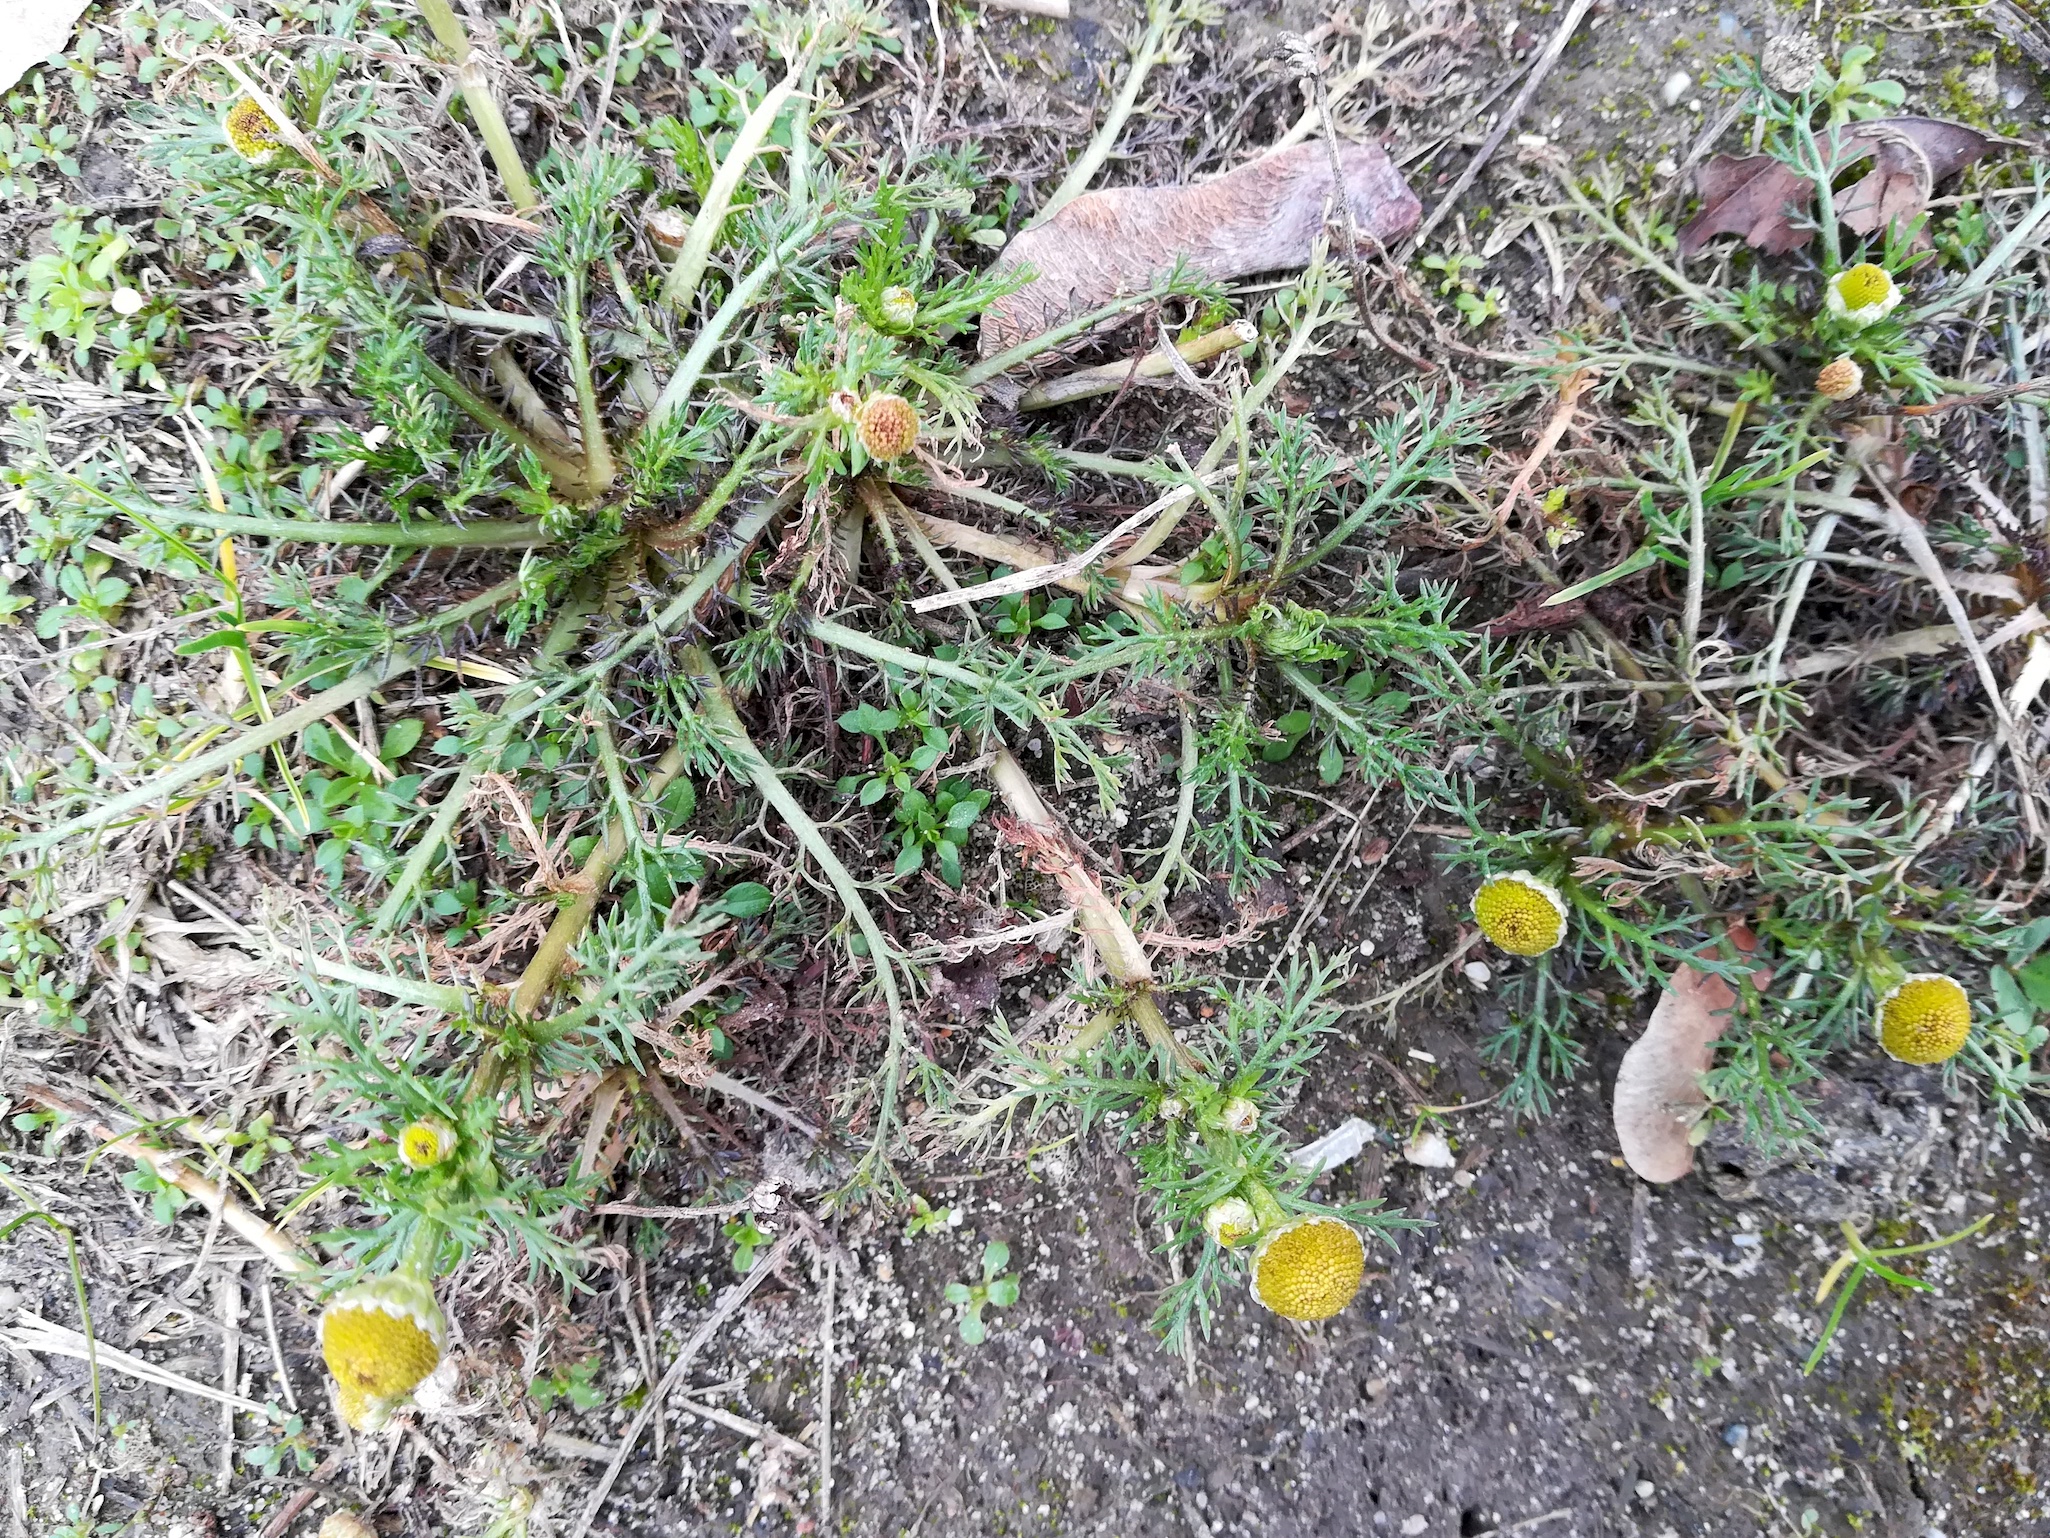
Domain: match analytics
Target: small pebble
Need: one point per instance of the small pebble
(1675, 87)
(1736, 1435)
(1477, 973)
(1415, 1524)
(126, 301)
(1646, 1489)
(1430, 1151)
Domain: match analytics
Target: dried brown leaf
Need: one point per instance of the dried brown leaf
(1658, 1087)
(1757, 197)
(1768, 203)
(1261, 217)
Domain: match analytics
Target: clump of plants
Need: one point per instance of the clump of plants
(558, 556)
(1747, 466)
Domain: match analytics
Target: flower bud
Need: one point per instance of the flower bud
(898, 306)
(1173, 1108)
(1231, 1221)
(887, 425)
(426, 1143)
(1238, 1114)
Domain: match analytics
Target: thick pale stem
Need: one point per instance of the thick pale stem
(1101, 920)
(681, 286)
(1084, 384)
(546, 965)
(1152, 46)
(475, 84)
(216, 760)
(716, 705)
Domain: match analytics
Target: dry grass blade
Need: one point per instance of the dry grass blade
(32, 1332)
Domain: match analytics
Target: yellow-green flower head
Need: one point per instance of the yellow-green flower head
(1309, 1267)
(1863, 294)
(899, 307)
(1924, 1018)
(1520, 913)
(1231, 1221)
(381, 1338)
(426, 1142)
(250, 129)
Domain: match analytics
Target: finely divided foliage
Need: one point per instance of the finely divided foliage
(620, 524)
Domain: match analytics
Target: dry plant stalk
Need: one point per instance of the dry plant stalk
(172, 1169)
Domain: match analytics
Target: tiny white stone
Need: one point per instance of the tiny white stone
(1430, 1151)
(1413, 1525)
(126, 301)
(1646, 1489)
(1477, 973)
(1675, 87)
(1665, 168)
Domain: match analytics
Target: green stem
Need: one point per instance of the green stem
(716, 706)
(681, 286)
(1011, 357)
(485, 534)
(359, 686)
(1152, 47)
(685, 379)
(561, 635)
(565, 475)
(475, 84)
(539, 976)
(599, 470)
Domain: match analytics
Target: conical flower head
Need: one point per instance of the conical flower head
(887, 426)
(1862, 294)
(427, 1142)
(250, 129)
(381, 1338)
(1925, 1018)
(1309, 1268)
(1520, 913)
(1840, 379)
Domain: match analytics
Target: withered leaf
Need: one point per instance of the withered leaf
(1769, 204)
(1910, 156)
(1659, 1097)
(1756, 197)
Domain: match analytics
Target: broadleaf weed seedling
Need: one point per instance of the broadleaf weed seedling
(997, 1289)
